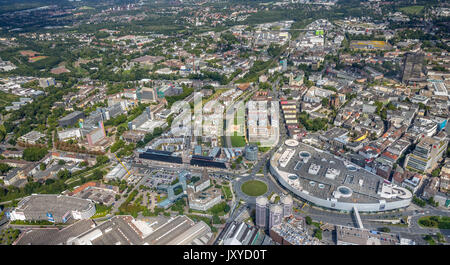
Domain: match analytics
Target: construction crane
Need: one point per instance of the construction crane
(129, 174)
(303, 206)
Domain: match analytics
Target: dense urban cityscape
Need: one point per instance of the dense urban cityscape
(215, 122)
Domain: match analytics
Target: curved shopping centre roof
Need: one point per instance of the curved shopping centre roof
(326, 176)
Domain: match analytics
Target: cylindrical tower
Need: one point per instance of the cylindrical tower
(262, 204)
(275, 215)
(251, 152)
(287, 205)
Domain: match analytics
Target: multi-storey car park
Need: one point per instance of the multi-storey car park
(331, 182)
(53, 207)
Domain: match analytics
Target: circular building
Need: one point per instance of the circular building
(251, 152)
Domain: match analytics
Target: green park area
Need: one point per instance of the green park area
(412, 10)
(254, 188)
(227, 192)
(237, 141)
(219, 209)
(101, 211)
(8, 236)
(441, 222)
(6, 99)
(32, 222)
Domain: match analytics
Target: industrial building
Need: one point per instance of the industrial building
(329, 181)
(240, 233)
(54, 235)
(179, 230)
(117, 173)
(123, 230)
(54, 208)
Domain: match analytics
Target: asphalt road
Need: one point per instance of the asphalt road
(414, 231)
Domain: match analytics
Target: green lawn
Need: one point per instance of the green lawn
(101, 211)
(430, 240)
(237, 141)
(412, 10)
(8, 236)
(227, 192)
(207, 220)
(441, 222)
(39, 222)
(219, 209)
(264, 149)
(6, 99)
(160, 199)
(316, 224)
(197, 211)
(254, 188)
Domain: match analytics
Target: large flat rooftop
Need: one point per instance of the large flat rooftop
(125, 230)
(357, 236)
(322, 174)
(168, 231)
(56, 204)
(54, 236)
(122, 230)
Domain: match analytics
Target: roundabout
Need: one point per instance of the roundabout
(254, 188)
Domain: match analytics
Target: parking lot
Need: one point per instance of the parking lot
(153, 178)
